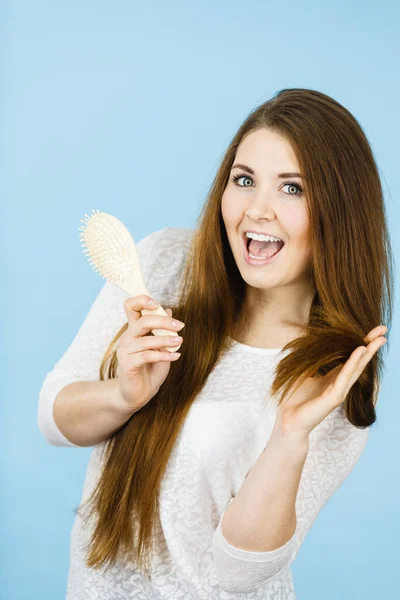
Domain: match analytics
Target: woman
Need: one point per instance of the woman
(209, 489)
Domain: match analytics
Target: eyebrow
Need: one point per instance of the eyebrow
(281, 175)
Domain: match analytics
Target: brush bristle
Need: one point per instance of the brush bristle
(109, 246)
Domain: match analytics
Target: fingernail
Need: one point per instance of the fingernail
(152, 303)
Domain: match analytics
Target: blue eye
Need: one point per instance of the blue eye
(296, 185)
(235, 179)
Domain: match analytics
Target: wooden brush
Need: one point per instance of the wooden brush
(112, 252)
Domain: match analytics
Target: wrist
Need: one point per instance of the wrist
(118, 403)
(290, 438)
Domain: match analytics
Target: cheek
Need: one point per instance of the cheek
(297, 226)
(229, 209)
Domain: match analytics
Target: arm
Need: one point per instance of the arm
(262, 516)
(88, 411)
(270, 529)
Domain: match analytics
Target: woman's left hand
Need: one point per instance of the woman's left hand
(316, 398)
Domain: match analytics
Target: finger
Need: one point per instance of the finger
(374, 333)
(138, 359)
(133, 307)
(337, 389)
(368, 351)
(356, 364)
(150, 343)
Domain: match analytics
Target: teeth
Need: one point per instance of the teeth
(262, 238)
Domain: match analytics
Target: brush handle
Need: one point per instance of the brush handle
(136, 287)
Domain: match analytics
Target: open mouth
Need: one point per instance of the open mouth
(246, 242)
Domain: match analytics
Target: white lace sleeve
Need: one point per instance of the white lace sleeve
(81, 361)
(335, 447)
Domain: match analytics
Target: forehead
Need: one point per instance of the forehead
(266, 149)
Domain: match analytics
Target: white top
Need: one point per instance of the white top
(226, 430)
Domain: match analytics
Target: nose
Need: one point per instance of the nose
(260, 208)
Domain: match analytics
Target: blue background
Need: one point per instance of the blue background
(127, 107)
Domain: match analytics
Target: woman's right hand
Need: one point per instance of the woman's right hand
(143, 361)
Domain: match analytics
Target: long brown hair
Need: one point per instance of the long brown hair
(353, 276)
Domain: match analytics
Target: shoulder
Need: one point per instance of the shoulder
(162, 255)
(177, 235)
(170, 247)
(168, 238)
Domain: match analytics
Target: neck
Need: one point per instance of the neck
(283, 307)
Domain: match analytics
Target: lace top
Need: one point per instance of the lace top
(225, 431)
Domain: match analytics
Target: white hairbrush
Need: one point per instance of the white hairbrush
(113, 253)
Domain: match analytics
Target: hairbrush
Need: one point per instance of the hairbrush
(112, 252)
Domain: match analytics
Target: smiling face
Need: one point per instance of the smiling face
(263, 200)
